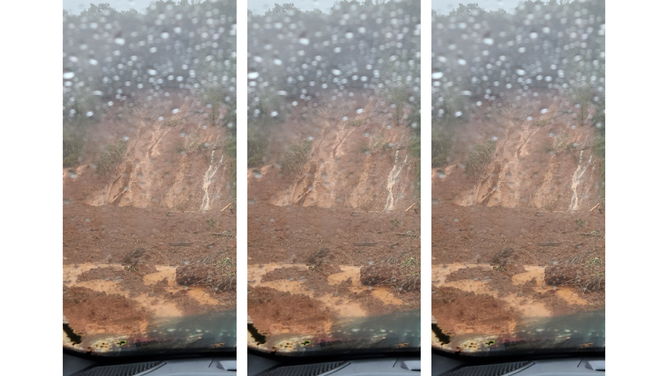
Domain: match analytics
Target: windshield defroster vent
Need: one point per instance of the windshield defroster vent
(134, 369)
(489, 370)
(307, 369)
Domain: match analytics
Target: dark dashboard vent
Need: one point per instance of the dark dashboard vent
(489, 370)
(121, 370)
(307, 369)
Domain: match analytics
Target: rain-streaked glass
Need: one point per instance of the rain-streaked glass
(333, 176)
(518, 177)
(149, 167)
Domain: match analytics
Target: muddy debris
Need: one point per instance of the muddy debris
(115, 313)
(508, 261)
(458, 312)
(398, 276)
(267, 308)
(571, 274)
(216, 277)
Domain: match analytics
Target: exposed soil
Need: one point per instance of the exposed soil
(518, 240)
(126, 233)
(314, 234)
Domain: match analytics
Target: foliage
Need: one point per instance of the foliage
(110, 157)
(294, 158)
(479, 157)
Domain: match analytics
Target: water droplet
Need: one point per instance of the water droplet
(253, 75)
(533, 35)
(119, 41)
(461, 61)
(68, 75)
(349, 35)
(164, 35)
(488, 41)
(436, 75)
(359, 110)
(521, 72)
(152, 72)
(543, 111)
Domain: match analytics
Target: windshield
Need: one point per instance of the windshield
(518, 176)
(149, 167)
(333, 176)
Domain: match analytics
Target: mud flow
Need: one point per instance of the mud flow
(521, 243)
(518, 177)
(333, 242)
(149, 244)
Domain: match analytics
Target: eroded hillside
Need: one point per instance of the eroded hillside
(148, 224)
(334, 236)
(518, 223)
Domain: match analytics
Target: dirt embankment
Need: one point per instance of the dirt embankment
(359, 159)
(313, 234)
(524, 236)
(171, 160)
(135, 234)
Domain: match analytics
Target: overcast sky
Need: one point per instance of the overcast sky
(259, 6)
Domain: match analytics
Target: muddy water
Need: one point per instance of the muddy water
(528, 307)
(342, 306)
(159, 306)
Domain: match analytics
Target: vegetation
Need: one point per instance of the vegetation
(294, 158)
(496, 57)
(127, 54)
(479, 157)
(320, 58)
(110, 157)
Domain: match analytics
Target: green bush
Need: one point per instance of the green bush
(72, 146)
(111, 156)
(479, 157)
(295, 157)
(258, 140)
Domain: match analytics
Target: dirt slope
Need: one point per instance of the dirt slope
(498, 233)
(359, 159)
(126, 232)
(313, 232)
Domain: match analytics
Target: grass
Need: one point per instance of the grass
(479, 157)
(111, 156)
(72, 146)
(294, 158)
(258, 140)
